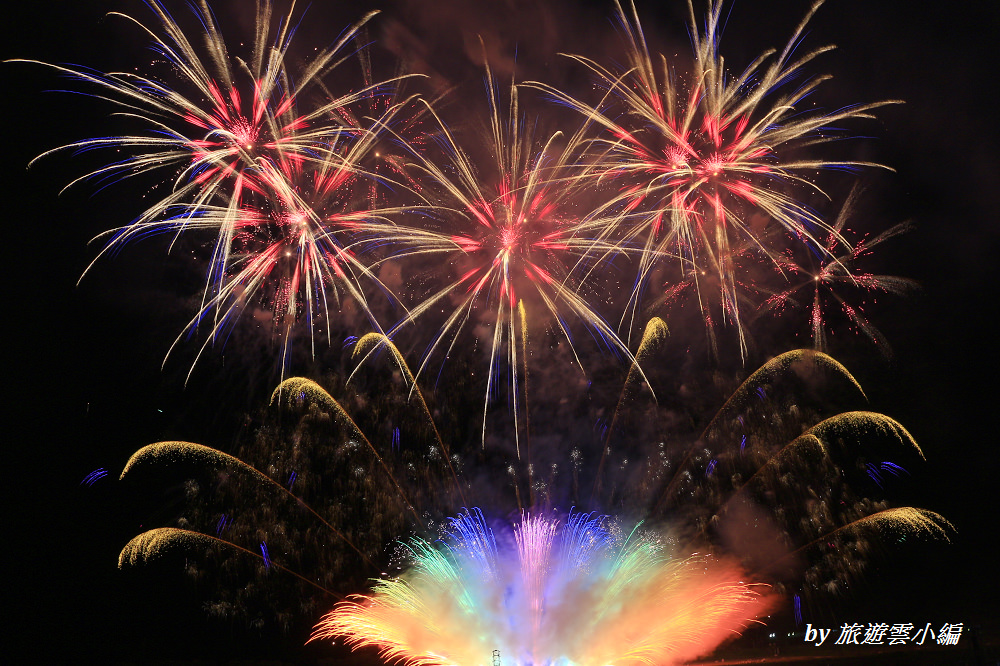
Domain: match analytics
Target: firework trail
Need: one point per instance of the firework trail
(373, 342)
(577, 591)
(703, 165)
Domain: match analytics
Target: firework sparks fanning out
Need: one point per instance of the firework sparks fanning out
(827, 271)
(517, 241)
(577, 592)
(702, 170)
(303, 189)
(278, 185)
(769, 481)
(300, 232)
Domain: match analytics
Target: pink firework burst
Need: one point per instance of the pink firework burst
(703, 163)
(296, 243)
(264, 156)
(820, 278)
(514, 242)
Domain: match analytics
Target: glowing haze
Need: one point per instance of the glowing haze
(570, 591)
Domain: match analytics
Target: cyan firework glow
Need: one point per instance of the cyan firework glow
(571, 591)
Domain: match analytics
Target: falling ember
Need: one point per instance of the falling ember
(576, 590)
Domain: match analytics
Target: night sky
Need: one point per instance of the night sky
(84, 361)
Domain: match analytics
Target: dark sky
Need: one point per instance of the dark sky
(84, 362)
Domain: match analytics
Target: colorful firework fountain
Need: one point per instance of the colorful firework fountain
(571, 591)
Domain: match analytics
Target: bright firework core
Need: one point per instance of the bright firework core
(573, 591)
(518, 244)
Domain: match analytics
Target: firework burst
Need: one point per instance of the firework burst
(704, 164)
(702, 176)
(514, 240)
(296, 243)
(819, 277)
(201, 126)
(304, 188)
(265, 157)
